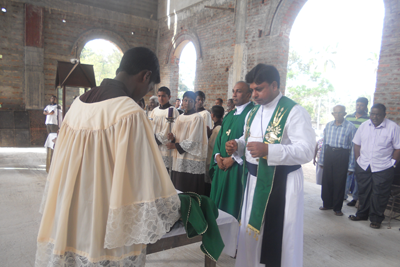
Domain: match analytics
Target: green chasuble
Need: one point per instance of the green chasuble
(226, 186)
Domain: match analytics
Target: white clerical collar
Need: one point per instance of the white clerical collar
(239, 109)
(274, 102)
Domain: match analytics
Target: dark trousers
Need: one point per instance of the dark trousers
(336, 163)
(373, 192)
(52, 128)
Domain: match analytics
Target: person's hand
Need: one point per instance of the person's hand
(171, 145)
(228, 162)
(350, 173)
(231, 146)
(257, 149)
(220, 162)
(314, 162)
(171, 136)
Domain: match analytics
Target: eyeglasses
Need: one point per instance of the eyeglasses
(338, 113)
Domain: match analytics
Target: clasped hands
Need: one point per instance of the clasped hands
(171, 145)
(224, 163)
(256, 149)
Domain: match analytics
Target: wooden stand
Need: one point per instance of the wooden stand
(177, 241)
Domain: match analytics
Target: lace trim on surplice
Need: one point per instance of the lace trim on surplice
(46, 258)
(190, 166)
(141, 223)
(195, 148)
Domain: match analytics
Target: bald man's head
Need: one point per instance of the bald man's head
(241, 93)
(339, 111)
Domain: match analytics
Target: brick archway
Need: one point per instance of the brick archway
(179, 42)
(173, 55)
(92, 34)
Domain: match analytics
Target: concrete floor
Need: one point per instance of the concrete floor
(328, 240)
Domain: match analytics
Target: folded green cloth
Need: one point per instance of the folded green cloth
(199, 215)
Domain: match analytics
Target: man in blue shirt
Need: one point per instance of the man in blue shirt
(337, 159)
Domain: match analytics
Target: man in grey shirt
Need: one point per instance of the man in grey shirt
(377, 150)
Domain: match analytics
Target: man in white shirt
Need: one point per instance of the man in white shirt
(377, 150)
(53, 115)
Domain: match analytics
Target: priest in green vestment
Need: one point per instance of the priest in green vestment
(226, 171)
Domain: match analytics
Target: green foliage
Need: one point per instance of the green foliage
(307, 84)
(105, 63)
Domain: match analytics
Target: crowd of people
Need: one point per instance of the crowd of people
(112, 184)
(358, 152)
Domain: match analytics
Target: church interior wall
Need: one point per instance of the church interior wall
(266, 40)
(58, 41)
(215, 32)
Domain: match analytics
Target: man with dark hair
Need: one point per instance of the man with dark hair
(161, 127)
(106, 174)
(188, 142)
(200, 99)
(277, 139)
(53, 114)
(230, 106)
(336, 159)
(217, 113)
(377, 151)
(226, 170)
(219, 102)
(178, 106)
(358, 117)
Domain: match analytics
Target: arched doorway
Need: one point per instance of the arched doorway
(187, 68)
(334, 61)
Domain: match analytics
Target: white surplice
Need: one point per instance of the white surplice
(207, 118)
(108, 193)
(161, 128)
(296, 147)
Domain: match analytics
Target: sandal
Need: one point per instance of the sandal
(356, 218)
(375, 225)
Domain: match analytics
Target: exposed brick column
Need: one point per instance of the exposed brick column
(34, 57)
(388, 76)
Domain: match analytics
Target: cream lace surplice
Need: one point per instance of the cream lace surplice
(108, 192)
(161, 129)
(190, 132)
(207, 118)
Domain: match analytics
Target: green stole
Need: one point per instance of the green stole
(265, 173)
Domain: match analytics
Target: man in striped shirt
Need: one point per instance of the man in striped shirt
(357, 118)
(337, 160)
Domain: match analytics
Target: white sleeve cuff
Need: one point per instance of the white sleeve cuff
(215, 157)
(237, 158)
(241, 147)
(275, 154)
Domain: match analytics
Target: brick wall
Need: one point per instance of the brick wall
(12, 62)
(267, 31)
(215, 32)
(59, 42)
(388, 83)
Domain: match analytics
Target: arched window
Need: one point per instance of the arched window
(105, 57)
(187, 68)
